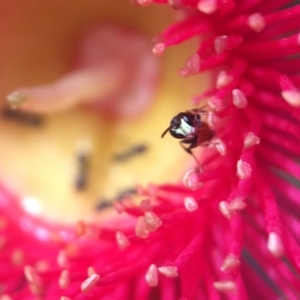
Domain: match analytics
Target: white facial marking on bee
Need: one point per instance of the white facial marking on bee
(185, 128)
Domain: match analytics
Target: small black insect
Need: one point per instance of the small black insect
(23, 117)
(190, 129)
(131, 152)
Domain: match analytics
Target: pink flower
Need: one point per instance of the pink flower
(229, 231)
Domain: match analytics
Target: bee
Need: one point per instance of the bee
(190, 129)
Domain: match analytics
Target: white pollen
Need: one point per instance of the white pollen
(239, 99)
(169, 271)
(122, 240)
(190, 204)
(251, 139)
(225, 286)
(215, 103)
(256, 22)
(31, 205)
(212, 119)
(220, 43)
(244, 170)
(230, 263)
(159, 49)
(223, 79)
(225, 210)
(191, 181)
(207, 6)
(152, 276)
(219, 145)
(89, 283)
(275, 245)
(291, 97)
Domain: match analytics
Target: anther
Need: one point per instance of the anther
(122, 240)
(251, 139)
(275, 245)
(244, 170)
(207, 6)
(215, 103)
(190, 180)
(220, 43)
(256, 22)
(212, 119)
(291, 97)
(230, 263)
(223, 79)
(152, 276)
(89, 283)
(141, 229)
(64, 279)
(169, 271)
(193, 64)
(152, 221)
(190, 204)
(239, 99)
(159, 49)
(225, 286)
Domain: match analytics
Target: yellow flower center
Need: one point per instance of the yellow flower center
(40, 164)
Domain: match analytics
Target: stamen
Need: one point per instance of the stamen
(152, 276)
(89, 283)
(152, 221)
(207, 6)
(239, 99)
(190, 204)
(215, 103)
(159, 49)
(34, 280)
(144, 2)
(251, 139)
(230, 263)
(17, 257)
(169, 271)
(212, 119)
(193, 64)
(275, 245)
(122, 240)
(223, 79)
(237, 204)
(5, 297)
(244, 170)
(256, 22)
(64, 279)
(225, 286)
(146, 205)
(80, 228)
(220, 43)
(62, 259)
(190, 180)
(91, 271)
(141, 229)
(291, 97)
(225, 209)
(219, 145)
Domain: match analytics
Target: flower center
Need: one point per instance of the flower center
(79, 159)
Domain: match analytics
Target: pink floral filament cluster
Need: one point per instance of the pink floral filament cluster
(229, 231)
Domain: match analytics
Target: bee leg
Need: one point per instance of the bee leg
(189, 150)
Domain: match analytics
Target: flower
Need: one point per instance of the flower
(230, 229)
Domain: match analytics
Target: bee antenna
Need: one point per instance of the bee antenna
(164, 133)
